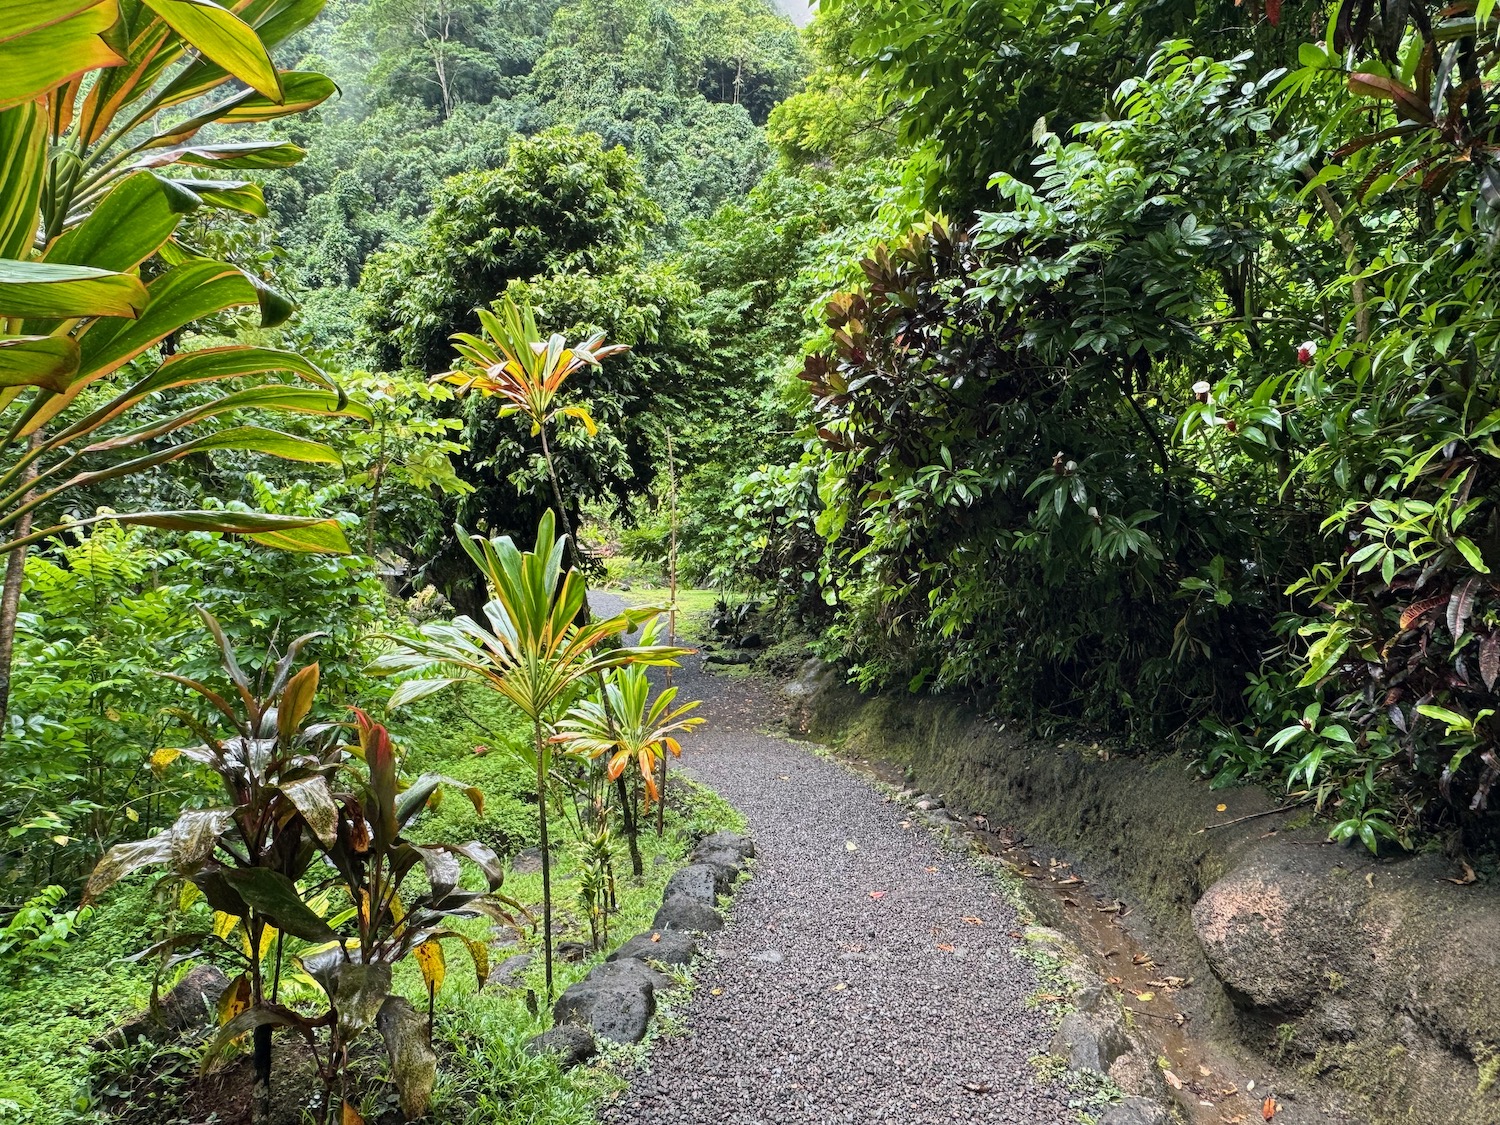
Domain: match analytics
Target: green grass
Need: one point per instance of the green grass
(49, 1074)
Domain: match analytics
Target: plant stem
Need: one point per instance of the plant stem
(541, 805)
(10, 597)
(627, 811)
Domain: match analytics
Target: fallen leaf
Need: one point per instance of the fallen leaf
(930, 870)
(1172, 1079)
(716, 991)
(978, 1087)
(1468, 878)
(1142, 959)
(1145, 997)
(878, 894)
(1113, 980)
(1221, 808)
(969, 918)
(1070, 881)
(850, 846)
(945, 947)
(1268, 1108)
(1049, 998)
(840, 986)
(1203, 1070)
(782, 777)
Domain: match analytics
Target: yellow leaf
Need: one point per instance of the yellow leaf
(1145, 997)
(267, 936)
(224, 924)
(430, 961)
(351, 1116)
(1221, 808)
(235, 999)
(189, 895)
(164, 757)
(131, 815)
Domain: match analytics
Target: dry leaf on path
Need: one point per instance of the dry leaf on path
(1172, 1079)
(1468, 877)
(978, 1087)
(878, 894)
(973, 921)
(945, 947)
(1268, 1108)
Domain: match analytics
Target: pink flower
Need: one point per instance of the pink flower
(1307, 351)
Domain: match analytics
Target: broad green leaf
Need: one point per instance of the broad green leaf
(301, 91)
(128, 225)
(22, 17)
(314, 801)
(286, 533)
(274, 397)
(220, 35)
(38, 361)
(275, 896)
(122, 859)
(242, 154)
(274, 21)
(229, 195)
(23, 166)
(61, 292)
(50, 55)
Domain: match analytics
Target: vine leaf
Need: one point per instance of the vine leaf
(1460, 605)
(1489, 659)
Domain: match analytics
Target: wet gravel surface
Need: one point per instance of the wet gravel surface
(866, 974)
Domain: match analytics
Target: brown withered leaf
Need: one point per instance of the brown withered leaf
(1468, 876)
(1172, 1079)
(1268, 1108)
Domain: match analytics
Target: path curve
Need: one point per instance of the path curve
(866, 974)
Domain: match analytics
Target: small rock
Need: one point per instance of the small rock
(697, 881)
(1135, 1111)
(511, 972)
(670, 947)
(767, 956)
(929, 804)
(1090, 1042)
(619, 1010)
(528, 861)
(733, 841)
(570, 1043)
(659, 860)
(191, 1003)
(727, 658)
(752, 640)
(682, 913)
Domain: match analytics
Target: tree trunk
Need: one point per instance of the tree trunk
(10, 597)
(541, 807)
(632, 826)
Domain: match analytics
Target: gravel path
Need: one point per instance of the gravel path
(866, 974)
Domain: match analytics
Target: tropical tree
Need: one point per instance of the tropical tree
(533, 652)
(100, 167)
(627, 727)
(511, 359)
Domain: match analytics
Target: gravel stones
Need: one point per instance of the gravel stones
(569, 1042)
(696, 881)
(913, 1034)
(670, 947)
(682, 913)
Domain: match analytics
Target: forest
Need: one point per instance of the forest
(1127, 371)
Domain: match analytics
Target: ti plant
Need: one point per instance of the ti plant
(305, 817)
(627, 728)
(534, 652)
(512, 359)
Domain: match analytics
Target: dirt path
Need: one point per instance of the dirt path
(866, 974)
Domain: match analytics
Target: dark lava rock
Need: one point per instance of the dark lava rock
(1090, 1042)
(732, 841)
(728, 863)
(698, 881)
(728, 658)
(510, 973)
(1135, 1111)
(570, 1043)
(752, 640)
(191, 1003)
(682, 913)
(528, 861)
(632, 973)
(618, 1009)
(670, 947)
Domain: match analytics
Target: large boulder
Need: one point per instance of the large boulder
(698, 881)
(1277, 929)
(191, 1003)
(619, 1010)
(682, 913)
(670, 947)
(569, 1042)
(631, 973)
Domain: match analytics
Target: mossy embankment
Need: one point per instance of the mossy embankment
(1372, 981)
